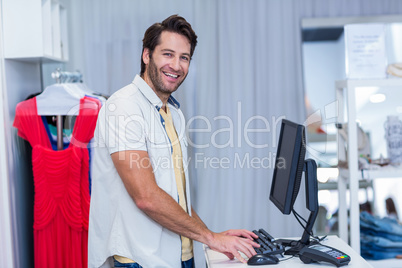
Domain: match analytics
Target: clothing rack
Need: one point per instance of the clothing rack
(64, 77)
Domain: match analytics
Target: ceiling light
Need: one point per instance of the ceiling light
(377, 98)
(399, 109)
(363, 95)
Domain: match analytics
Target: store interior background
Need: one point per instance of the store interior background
(250, 60)
(324, 63)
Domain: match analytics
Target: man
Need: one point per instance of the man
(141, 212)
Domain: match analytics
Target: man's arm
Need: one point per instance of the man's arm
(196, 217)
(234, 232)
(139, 180)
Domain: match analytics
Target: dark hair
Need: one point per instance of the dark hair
(175, 24)
(390, 206)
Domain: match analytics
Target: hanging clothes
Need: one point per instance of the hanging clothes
(61, 203)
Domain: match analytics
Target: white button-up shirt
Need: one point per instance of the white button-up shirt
(130, 121)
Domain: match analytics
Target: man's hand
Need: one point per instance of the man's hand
(232, 241)
(241, 232)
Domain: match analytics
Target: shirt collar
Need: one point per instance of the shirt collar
(147, 91)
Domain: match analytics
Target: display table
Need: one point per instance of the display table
(218, 260)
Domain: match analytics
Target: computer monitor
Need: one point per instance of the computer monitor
(289, 166)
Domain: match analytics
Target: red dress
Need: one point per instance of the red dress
(61, 207)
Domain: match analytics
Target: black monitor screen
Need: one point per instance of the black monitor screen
(288, 166)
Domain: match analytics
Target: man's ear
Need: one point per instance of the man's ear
(145, 55)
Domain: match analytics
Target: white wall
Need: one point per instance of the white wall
(6, 250)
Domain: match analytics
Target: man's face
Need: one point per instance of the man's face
(168, 66)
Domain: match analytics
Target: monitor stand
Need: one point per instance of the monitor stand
(310, 177)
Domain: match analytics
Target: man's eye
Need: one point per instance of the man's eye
(185, 58)
(168, 54)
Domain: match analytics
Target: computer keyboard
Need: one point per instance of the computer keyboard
(267, 243)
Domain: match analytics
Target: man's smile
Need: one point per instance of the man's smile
(175, 76)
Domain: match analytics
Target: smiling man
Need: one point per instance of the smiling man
(141, 213)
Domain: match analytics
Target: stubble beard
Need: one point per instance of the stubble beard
(156, 79)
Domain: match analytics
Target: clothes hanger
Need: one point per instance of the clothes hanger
(60, 99)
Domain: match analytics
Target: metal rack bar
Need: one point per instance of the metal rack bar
(64, 77)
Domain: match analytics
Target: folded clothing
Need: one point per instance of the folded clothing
(380, 238)
(385, 225)
(389, 236)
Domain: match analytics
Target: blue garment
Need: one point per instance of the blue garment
(126, 265)
(380, 238)
(368, 231)
(188, 264)
(53, 139)
(386, 225)
(184, 264)
(380, 243)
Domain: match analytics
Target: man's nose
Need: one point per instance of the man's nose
(175, 64)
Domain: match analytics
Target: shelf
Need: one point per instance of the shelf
(349, 178)
(35, 30)
(391, 172)
(386, 263)
(375, 173)
(43, 59)
(321, 137)
(353, 83)
(363, 184)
